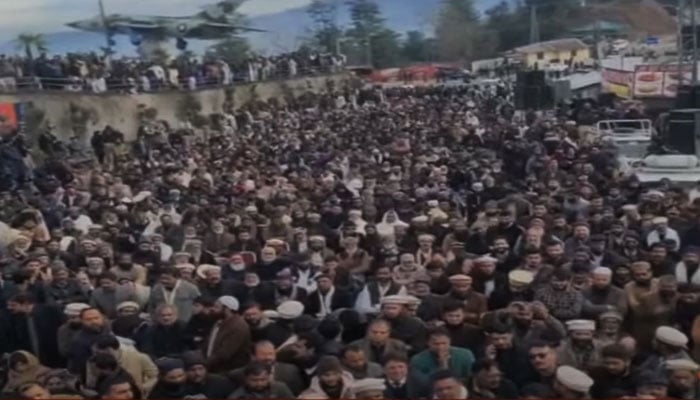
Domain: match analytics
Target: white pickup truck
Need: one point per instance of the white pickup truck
(683, 170)
(631, 137)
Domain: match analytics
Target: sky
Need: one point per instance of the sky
(48, 16)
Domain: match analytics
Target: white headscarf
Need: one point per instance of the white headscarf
(385, 228)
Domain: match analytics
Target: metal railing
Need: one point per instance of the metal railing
(144, 84)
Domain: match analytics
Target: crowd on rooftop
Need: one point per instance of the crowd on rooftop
(98, 74)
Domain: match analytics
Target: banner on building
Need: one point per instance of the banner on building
(10, 117)
(660, 80)
(618, 82)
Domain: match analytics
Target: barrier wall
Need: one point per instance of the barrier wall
(121, 110)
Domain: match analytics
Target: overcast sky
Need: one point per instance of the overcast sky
(47, 16)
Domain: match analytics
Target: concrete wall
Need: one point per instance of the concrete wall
(121, 111)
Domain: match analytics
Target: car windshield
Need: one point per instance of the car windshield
(632, 149)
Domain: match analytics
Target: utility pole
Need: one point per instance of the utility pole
(694, 25)
(534, 25)
(681, 40)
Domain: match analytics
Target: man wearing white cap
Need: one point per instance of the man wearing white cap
(228, 344)
(580, 349)
(404, 327)
(669, 344)
(663, 232)
(484, 274)
(682, 379)
(368, 388)
(369, 299)
(68, 331)
(571, 383)
(475, 303)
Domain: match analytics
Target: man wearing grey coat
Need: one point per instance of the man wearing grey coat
(172, 290)
(110, 294)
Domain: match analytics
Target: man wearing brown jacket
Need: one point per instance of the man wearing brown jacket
(229, 343)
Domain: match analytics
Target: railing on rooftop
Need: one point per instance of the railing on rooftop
(142, 84)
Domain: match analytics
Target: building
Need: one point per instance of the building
(559, 51)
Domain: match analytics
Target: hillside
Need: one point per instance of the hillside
(286, 29)
(645, 17)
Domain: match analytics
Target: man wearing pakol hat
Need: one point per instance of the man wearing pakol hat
(474, 303)
(571, 383)
(369, 388)
(669, 344)
(518, 289)
(602, 296)
(404, 327)
(369, 299)
(580, 350)
(682, 379)
(68, 331)
(663, 232)
(610, 328)
(228, 344)
(327, 297)
(484, 275)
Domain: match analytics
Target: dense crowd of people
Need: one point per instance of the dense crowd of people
(98, 74)
(381, 243)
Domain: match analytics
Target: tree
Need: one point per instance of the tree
(372, 41)
(386, 49)
(29, 41)
(234, 50)
(416, 47)
(326, 33)
(457, 30)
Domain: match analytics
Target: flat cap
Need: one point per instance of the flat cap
(580, 325)
(203, 269)
(128, 304)
(610, 315)
(396, 299)
(74, 309)
(605, 271)
(573, 379)
(460, 278)
(368, 385)
(486, 259)
(681, 364)
(290, 309)
(671, 336)
(229, 302)
(520, 277)
(659, 220)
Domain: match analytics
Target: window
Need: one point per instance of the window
(540, 55)
(574, 53)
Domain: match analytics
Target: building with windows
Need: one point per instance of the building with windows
(553, 52)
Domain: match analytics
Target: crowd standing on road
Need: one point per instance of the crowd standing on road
(388, 243)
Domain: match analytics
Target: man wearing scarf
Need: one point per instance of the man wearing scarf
(286, 290)
(327, 297)
(370, 298)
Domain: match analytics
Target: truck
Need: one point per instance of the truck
(631, 138)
